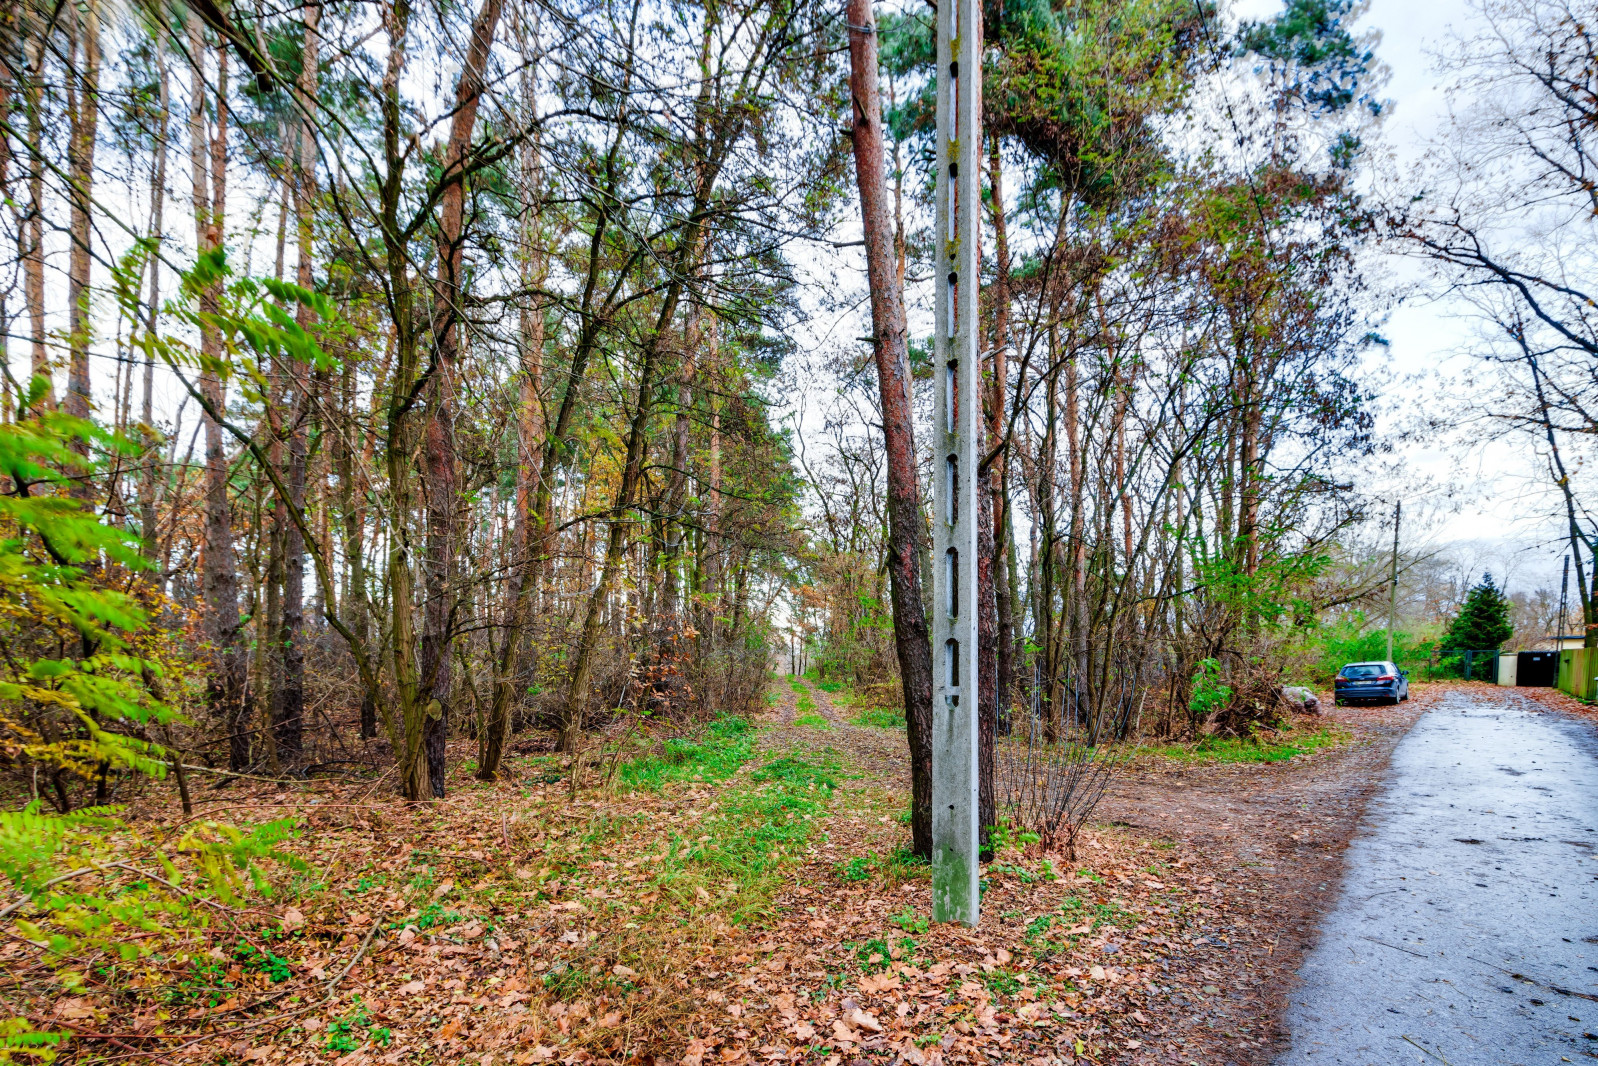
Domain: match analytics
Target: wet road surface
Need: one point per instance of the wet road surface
(1467, 929)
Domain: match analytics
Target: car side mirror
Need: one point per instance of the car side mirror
(1403, 673)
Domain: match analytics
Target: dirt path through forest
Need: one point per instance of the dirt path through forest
(782, 709)
(1261, 846)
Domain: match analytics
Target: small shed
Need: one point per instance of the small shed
(1536, 669)
(1578, 672)
(1506, 670)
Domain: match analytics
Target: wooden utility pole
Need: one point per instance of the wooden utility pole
(955, 829)
(1392, 592)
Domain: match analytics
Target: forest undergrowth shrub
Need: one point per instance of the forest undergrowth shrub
(96, 896)
(690, 683)
(86, 686)
(1262, 747)
(1255, 703)
(1347, 642)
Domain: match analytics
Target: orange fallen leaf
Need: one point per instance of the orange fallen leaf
(881, 982)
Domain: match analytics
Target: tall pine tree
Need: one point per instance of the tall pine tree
(1482, 622)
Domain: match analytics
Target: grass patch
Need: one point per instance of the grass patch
(1050, 934)
(1003, 982)
(724, 747)
(1074, 909)
(1246, 750)
(879, 717)
(815, 721)
(890, 870)
(758, 830)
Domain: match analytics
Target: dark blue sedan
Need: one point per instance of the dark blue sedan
(1382, 682)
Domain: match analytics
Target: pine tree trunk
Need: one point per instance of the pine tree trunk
(890, 342)
(30, 232)
(289, 719)
(999, 481)
(152, 451)
(208, 158)
(83, 95)
(442, 489)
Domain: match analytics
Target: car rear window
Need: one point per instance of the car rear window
(1363, 670)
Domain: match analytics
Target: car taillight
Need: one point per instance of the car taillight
(1339, 677)
(1388, 677)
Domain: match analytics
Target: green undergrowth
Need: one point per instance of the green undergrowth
(862, 705)
(724, 747)
(1051, 933)
(729, 850)
(759, 830)
(889, 870)
(879, 717)
(813, 720)
(1260, 749)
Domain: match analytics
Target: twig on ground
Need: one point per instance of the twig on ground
(1533, 981)
(1395, 947)
(370, 933)
(107, 1037)
(1428, 1051)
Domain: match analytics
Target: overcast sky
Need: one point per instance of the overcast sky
(1489, 506)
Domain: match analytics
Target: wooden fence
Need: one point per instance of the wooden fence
(1578, 673)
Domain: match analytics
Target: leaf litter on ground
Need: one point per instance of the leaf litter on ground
(740, 895)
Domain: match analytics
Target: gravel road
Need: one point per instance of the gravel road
(1467, 928)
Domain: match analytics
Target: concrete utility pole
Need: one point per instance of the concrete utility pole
(955, 895)
(1392, 593)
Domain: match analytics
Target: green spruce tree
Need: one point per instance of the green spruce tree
(1482, 622)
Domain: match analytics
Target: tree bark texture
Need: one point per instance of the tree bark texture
(83, 96)
(998, 475)
(912, 641)
(208, 159)
(443, 492)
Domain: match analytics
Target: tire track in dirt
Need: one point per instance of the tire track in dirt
(882, 755)
(783, 711)
(825, 705)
